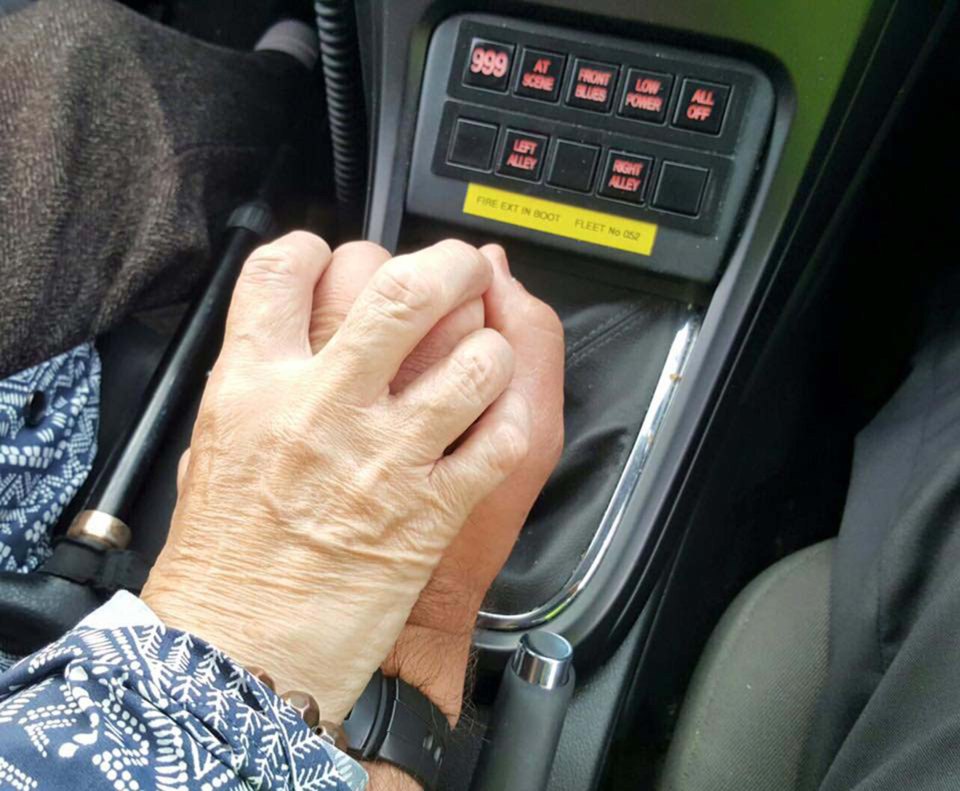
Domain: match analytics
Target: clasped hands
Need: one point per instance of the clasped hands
(368, 446)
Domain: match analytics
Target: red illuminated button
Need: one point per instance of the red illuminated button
(701, 107)
(645, 96)
(540, 75)
(625, 176)
(522, 155)
(488, 65)
(592, 85)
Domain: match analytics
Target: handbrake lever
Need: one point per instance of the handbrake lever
(91, 561)
(528, 715)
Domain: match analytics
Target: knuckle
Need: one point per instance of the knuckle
(291, 256)
(456, 253)
(306, 242)
(509, 446)
(472, 372)
(458, 250)
(269, 265)
(363, 249)
(400, 290)
(494, 250)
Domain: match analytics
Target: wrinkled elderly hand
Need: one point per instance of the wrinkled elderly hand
(317, 503)
(432, 651)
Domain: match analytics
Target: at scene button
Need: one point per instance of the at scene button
(592, 85)
(488, 65)
(625, 176)
(522, 155)
(646, 95)
(701, 107)
(540, 75)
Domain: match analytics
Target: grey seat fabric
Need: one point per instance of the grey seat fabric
(751, 701)
(124, 145)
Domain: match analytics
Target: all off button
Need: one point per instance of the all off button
(701, 106)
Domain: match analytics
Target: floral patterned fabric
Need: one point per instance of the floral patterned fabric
(145, 707)
(49, 415)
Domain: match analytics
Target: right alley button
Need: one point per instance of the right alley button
(625, 176)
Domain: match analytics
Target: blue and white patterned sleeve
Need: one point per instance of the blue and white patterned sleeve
(123, 703)
(49, 416)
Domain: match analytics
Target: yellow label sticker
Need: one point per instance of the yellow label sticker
(538, 214)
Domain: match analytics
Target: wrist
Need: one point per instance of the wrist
(435, 662)
(289, 634)
(386, 777)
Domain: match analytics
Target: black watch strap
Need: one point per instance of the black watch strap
(395, 722)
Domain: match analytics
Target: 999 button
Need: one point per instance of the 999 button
(488, 65)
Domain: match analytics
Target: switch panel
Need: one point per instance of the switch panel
(556, 131)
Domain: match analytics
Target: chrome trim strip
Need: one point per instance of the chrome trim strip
(670, 378)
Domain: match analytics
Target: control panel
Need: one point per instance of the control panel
(627, 151)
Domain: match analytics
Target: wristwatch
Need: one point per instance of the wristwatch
(396, 723)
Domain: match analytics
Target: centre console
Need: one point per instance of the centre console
(638, 154)
(617, 173)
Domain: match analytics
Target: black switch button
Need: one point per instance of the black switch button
(701, 107)
(625, 176)
(645, 96)
(680, 188)
(540, 75)
(488, 65)
(472, 144)
(592, 86)
(573, 166)
(522, 155)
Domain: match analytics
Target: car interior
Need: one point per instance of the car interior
(733, 209)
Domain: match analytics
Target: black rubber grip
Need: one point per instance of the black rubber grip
(525, 730)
